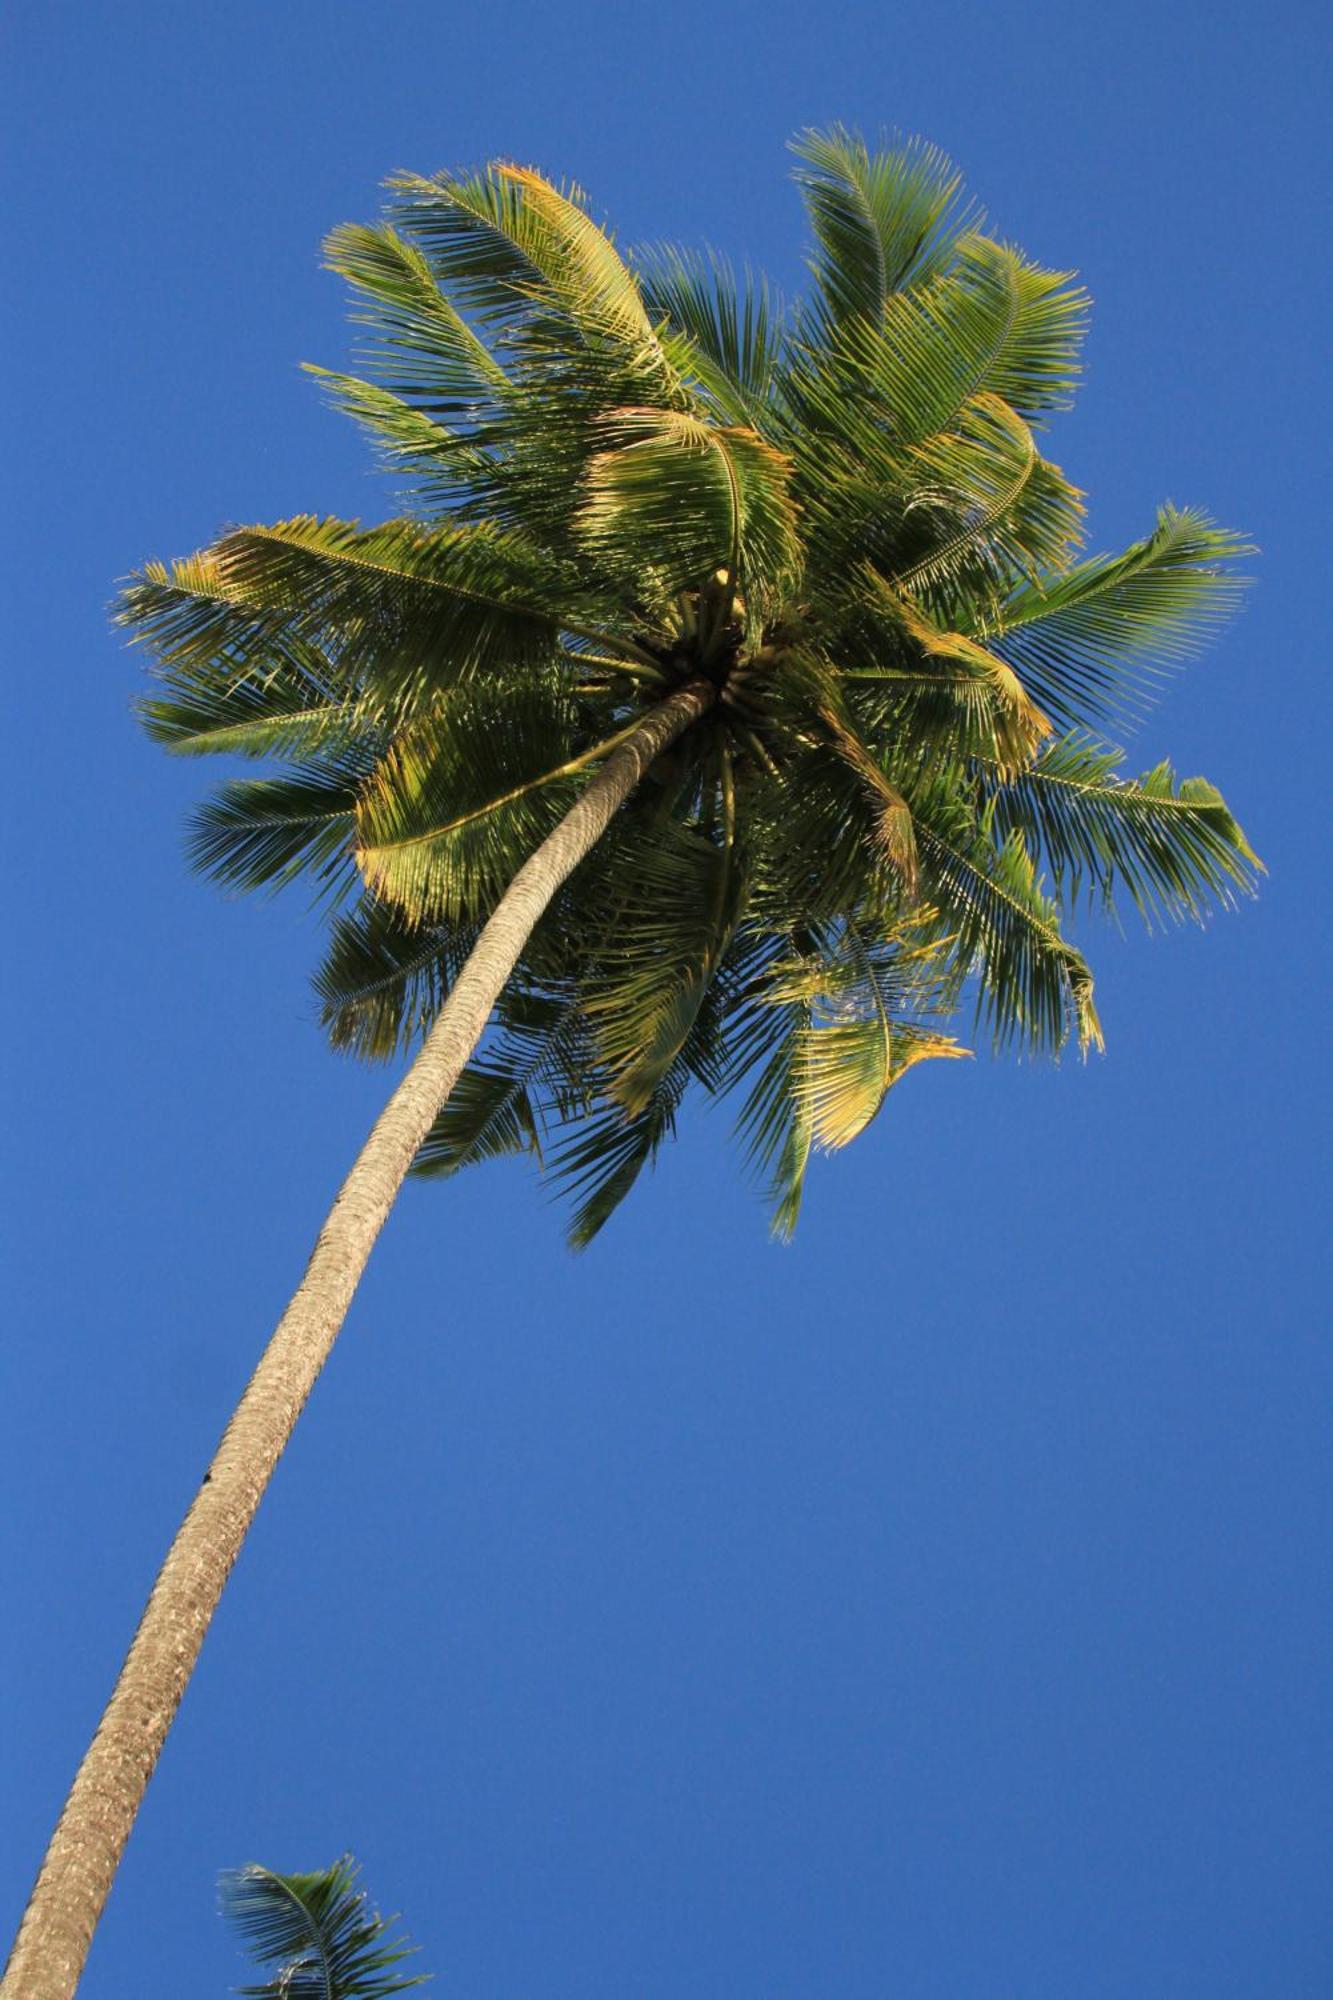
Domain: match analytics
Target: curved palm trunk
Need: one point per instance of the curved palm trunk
(85, 1849)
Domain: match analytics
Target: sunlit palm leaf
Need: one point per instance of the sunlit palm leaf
(1171, 847)
(460, 801)
(882, 221)
(1099, 640)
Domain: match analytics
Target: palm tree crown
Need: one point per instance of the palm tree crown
(632, 474)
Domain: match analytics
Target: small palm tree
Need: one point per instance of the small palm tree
(319, 1934)
(721, 714)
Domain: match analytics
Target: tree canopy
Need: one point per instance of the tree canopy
(623, 471)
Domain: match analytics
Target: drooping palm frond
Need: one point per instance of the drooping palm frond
(536, 1070)
(834, 1025)
(775, 1127)
(411, 607)
(460, 801)
(384, 979)
(853, 1044)
(1008, 717)
(1035, 988)
(651, 979)
(318, 1932)
(600, 1163)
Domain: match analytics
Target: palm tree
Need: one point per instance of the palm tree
(721, 713)
(319, 1933)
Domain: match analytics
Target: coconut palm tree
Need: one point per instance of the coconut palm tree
(721, 714)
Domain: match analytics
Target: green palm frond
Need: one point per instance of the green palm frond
(445, 464)
(458, 804)
(383, 980)
(672, 496)
(413, 606)
(734, 328)
(1002, 709)
(653, 977)
(987, 483)
(1099, 640)
(881, 221)
(832, 1028)
(235, 678)
(1042, 317)
(274, 695)
(815, 842)
(518, 252)
(994, 325)
(1171, 847)
(775, 1125)
(422, 347)
(263, 833)
(598, 1166)
(579, 261)
(1035, 987)
(501, 1101)
(318, 1933)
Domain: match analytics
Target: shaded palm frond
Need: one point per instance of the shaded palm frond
(650, 981)
(318, 1932)
(496, 1107)
(383, 980)
(263, 833)
(734, 328)
(461, 800)
(775, 1126)
(600, 1163)
(235, 679)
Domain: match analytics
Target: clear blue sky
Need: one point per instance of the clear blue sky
(938, 1609)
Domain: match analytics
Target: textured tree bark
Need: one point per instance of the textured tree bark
(81, 1861)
